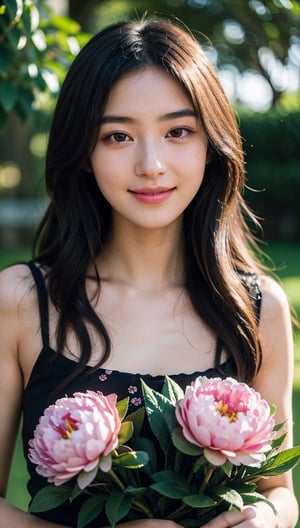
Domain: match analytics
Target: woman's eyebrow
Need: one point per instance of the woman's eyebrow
(116, 119)
(185, 112)
(111, 118)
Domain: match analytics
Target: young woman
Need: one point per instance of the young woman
(142, 264)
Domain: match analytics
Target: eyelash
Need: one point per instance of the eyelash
(112, 137)
(182, 129)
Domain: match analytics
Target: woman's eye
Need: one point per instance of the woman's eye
(117, 137)
(179, 132)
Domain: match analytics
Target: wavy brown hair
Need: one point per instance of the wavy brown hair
(78, 219)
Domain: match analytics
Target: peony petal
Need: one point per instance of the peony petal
(105, 463)
(228, 416)
(246, 459)
(111, 445)
(94, 448)
(84, 478)
(58, 480)
(73, 433)
(216, 458)
(91, 465)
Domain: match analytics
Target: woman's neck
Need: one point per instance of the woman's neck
(144, 258)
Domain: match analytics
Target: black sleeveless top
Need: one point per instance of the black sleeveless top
(50, 370)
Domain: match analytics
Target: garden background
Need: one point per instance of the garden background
(256, 47)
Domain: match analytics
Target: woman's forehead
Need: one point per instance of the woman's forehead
(152, 88)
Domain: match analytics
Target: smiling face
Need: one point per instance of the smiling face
(151, 153)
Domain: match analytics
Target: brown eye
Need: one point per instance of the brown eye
(119, 137)
(116, 137)
(179, 132)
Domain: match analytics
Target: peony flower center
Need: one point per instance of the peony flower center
(225, 411)
(67, 426)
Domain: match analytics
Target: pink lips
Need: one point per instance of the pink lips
(152, 195)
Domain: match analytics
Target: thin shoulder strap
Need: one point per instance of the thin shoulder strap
(43, 301)
(252, 283)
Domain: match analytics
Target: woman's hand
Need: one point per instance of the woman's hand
(258, 516)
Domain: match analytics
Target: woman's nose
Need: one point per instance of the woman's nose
(150, 160)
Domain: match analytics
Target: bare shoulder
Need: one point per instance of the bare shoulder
(274, 298)
(275, 327)
(15, 288)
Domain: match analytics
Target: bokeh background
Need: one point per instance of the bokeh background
(255, 46)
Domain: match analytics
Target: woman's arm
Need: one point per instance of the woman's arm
(18, 318)
(275, 383)
(20, 344)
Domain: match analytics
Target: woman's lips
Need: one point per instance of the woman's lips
(153, 195)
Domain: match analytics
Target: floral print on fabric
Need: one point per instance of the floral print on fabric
(133, 391)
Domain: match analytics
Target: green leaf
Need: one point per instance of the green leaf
(278, 441)
(125, 433)
(91, 509)
(40, 82)
(145, 444)
(122, 407)
(199, 501)
(200, 462)
(65, 24)
(5, 58)
(279, 426)
(136, 492)
(137, 418)
(252, 498)
(227, 468)
(132, 459)
(50, 497)
(14, 36)
(229, 495)
(157, 407)
(183, 445)
(243, 487)
(117, 506)
(171, 484)
(8, 95)
(172, 390)
(31, 18)
(14, 8)
(280, 463)
(76, 491)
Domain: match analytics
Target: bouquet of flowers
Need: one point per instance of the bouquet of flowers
(207, 448)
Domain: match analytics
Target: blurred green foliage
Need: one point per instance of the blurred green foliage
(37, 47)
(242, 35)
(271, 143)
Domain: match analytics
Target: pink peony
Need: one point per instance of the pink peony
(76, 436)
(228, 419)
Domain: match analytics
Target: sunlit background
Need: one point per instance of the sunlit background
(255, 46)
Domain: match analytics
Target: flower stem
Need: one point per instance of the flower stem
(116, 479)
(139, 506)
(178, 458)
(142, 508)
(178, 513)
(208, 474)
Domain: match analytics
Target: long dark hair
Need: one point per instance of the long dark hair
(78, 219)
